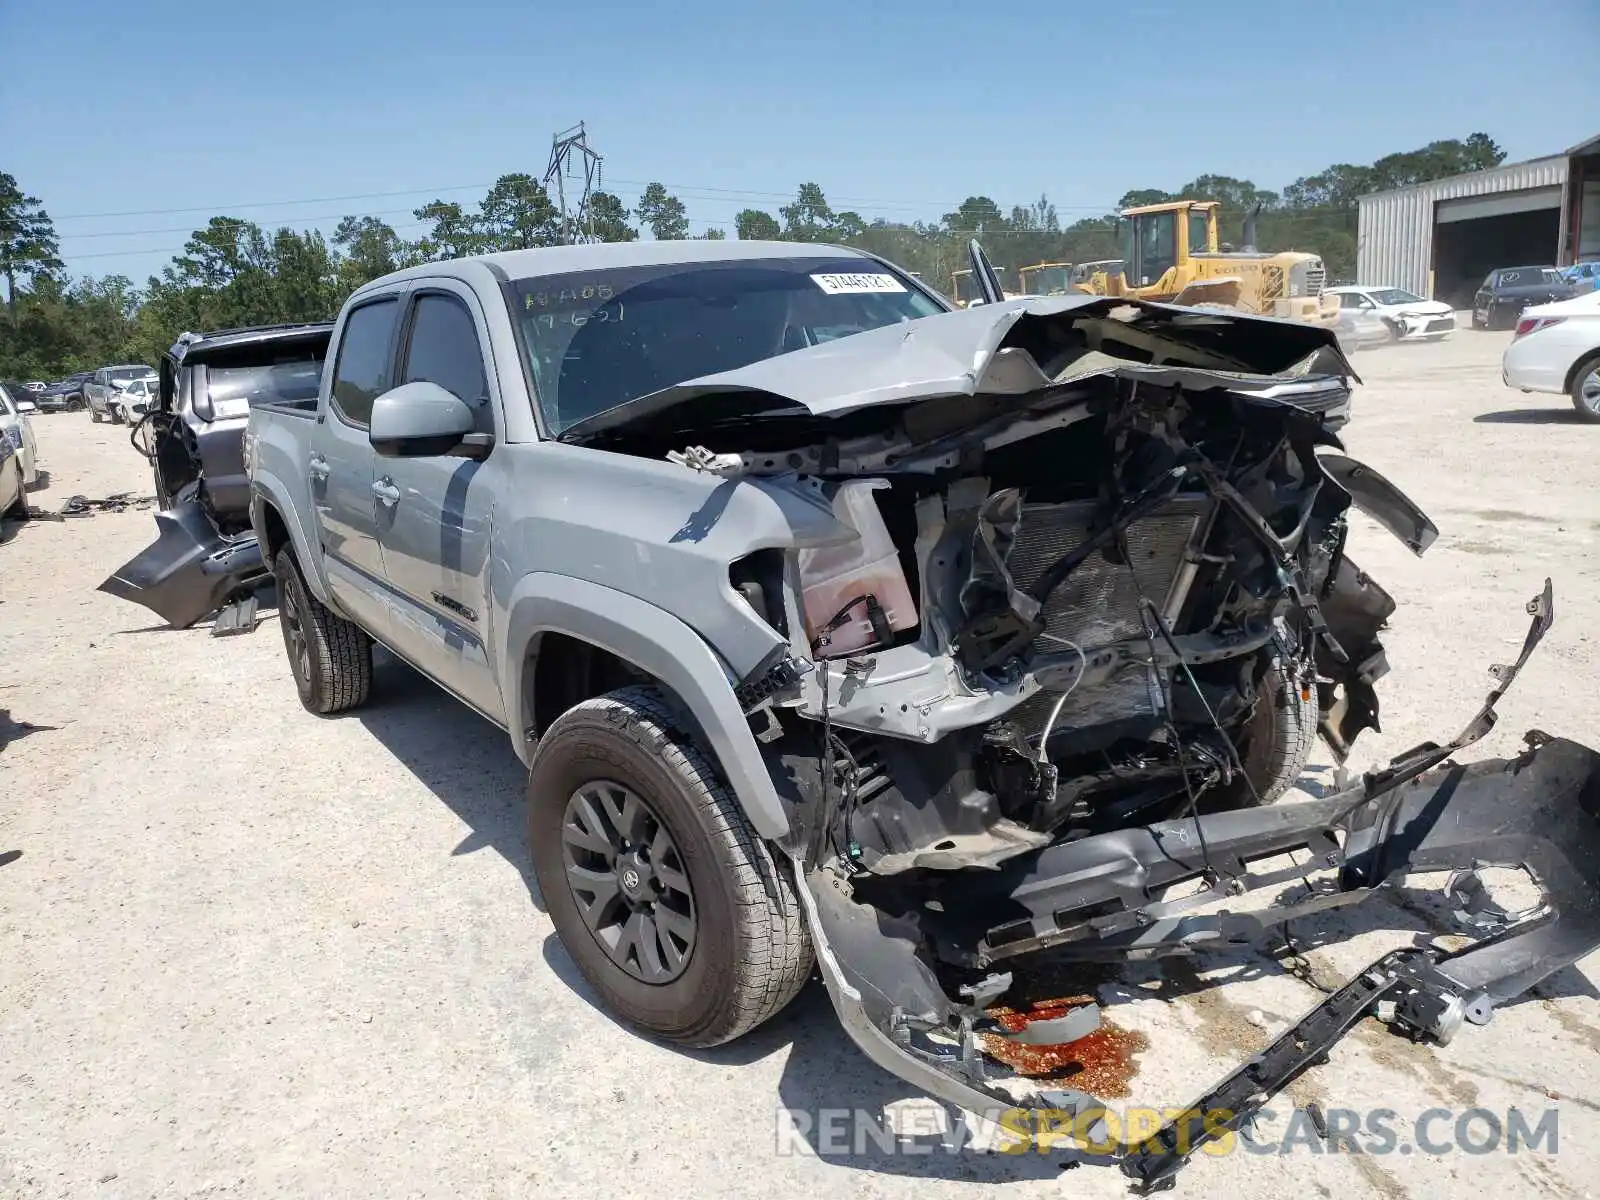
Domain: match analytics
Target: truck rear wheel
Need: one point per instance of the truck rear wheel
(330, 658)
(671, 906)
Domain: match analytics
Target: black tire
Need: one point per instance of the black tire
(94, 415)
(750, 953)
(1588, 406)
(330, 658)
(18, 509)
(1276, 740)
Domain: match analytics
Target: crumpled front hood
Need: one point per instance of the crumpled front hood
(1012, 348)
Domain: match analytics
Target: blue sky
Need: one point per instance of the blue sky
(898, 108)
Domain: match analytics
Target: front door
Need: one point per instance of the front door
(434, 511)
(341, 461)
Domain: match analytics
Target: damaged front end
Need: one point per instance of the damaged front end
(1097, 605)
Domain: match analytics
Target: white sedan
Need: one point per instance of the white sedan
(1408, 316)
(1557, 349)
(18, 430)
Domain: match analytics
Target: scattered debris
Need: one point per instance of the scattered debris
(82, 506)
(238, 617)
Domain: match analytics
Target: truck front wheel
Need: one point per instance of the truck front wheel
(671, 906)
(331, 658)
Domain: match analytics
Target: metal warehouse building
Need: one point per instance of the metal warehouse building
(1439, 239)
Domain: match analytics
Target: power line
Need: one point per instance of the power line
(222, 209)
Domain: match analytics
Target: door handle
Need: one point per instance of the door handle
(386, 492)
(318, 468)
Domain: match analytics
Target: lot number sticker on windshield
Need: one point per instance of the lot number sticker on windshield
(855, 284)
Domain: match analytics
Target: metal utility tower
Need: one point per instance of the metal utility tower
(566, 149)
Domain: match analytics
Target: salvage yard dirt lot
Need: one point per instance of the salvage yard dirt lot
(247, 951)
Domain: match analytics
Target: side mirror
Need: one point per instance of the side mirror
(27, 406)
(422, 420)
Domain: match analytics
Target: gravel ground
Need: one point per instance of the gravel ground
(247, 951)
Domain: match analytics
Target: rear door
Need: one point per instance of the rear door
(434, 512)
(339, 467)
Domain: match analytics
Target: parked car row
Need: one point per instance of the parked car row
(119, 394)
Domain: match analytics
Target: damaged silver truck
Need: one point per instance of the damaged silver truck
(943, 649)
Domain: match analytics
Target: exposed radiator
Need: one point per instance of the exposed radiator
(1099, 602)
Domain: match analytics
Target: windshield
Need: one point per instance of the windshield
(1527, 276)
(1046, 281)
(597, 339)
(1395, 296)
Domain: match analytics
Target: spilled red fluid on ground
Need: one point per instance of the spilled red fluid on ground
(1102, 1064)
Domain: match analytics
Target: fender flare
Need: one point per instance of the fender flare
(1382, 501)
(656, 642)
(267, 489)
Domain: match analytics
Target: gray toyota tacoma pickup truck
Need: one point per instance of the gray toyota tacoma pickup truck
(942, 649)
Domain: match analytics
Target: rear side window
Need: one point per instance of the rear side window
(361, 373)
(444, 349)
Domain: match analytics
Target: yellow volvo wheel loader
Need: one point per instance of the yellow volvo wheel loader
(1171, 254)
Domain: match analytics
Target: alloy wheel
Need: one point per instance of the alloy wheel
(629, 882)
(295, 641)
(1589, 392)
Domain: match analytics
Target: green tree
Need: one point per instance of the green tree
(1139, 197)
(608, 219)
(808, 219)
(306, 277)
(453, 233)
(371, 249)
(214, 257)
(28, 244)
(517, 214)
(714, 234)
(753, 225)
(663, 213)
(977, 215)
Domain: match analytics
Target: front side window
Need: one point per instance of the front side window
(594, 340)
(361, 373)
(444, 349)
